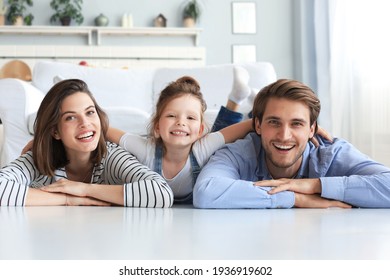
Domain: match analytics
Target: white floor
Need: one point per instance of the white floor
(183, 233)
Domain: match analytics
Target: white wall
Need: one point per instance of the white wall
(274, 39)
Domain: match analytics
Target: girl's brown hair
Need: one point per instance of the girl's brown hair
(50, 154)
(182, 86)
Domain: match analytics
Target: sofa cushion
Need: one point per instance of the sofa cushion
(111, 87)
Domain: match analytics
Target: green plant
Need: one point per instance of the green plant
(67, 8)
(17, 8)
(192, 10)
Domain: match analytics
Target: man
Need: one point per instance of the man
(278, 167)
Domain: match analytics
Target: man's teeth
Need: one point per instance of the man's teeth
(85, 135)
(283, 147)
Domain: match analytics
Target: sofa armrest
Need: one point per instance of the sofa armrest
(19, 100)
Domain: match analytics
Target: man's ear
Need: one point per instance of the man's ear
(257, 126)
(312, 130)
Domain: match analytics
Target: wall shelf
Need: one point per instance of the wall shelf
(47, 30)
(149, 31)
(102, 31)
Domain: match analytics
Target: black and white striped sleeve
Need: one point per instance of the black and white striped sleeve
(15, 179)
(142, 186)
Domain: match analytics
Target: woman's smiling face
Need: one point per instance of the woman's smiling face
(79, 126)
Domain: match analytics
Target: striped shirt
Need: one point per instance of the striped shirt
(142, 186)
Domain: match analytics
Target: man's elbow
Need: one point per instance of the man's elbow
(203, 195)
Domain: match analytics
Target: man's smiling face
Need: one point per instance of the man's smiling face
(285, 130)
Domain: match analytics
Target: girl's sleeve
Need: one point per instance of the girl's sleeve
(135, 144)
(206, 146)
(142, 186)
(15, 180)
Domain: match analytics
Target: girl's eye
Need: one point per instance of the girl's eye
(91, 112)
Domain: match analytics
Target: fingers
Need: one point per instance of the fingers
(324, 134)
(315, 141)
(276, 185)
(340, 204)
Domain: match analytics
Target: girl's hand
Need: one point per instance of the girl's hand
(28, 147)
(322, 132)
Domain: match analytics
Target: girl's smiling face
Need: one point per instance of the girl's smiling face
(181, 122)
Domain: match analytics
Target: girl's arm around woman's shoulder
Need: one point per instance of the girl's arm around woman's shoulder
(237, 131)
(142, 186)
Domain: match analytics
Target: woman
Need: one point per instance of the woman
(72, 164)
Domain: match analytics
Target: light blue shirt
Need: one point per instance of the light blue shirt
(346, 174)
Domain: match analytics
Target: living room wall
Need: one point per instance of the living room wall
(273, 38)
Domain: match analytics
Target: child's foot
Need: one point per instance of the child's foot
(240, 88)
(252, 95)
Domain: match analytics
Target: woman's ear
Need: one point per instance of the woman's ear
(55, 134)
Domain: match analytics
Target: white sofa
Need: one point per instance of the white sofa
(127, 95)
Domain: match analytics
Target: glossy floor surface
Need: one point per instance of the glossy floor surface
(183, 233)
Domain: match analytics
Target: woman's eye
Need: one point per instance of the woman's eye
(69, 118)
(91, 112)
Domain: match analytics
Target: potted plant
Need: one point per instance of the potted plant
(17, 12)
(66, 11)
(3, 11)
(191, 13)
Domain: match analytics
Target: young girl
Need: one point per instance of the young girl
(72, 164)
(178, 145)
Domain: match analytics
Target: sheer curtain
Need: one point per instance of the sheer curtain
(351, 39)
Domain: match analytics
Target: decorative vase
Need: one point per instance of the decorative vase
(18, 21)
(101, 20)
(65, 21)
(189, 22)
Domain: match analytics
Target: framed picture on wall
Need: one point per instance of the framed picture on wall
(244, 53)
(244, 17)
